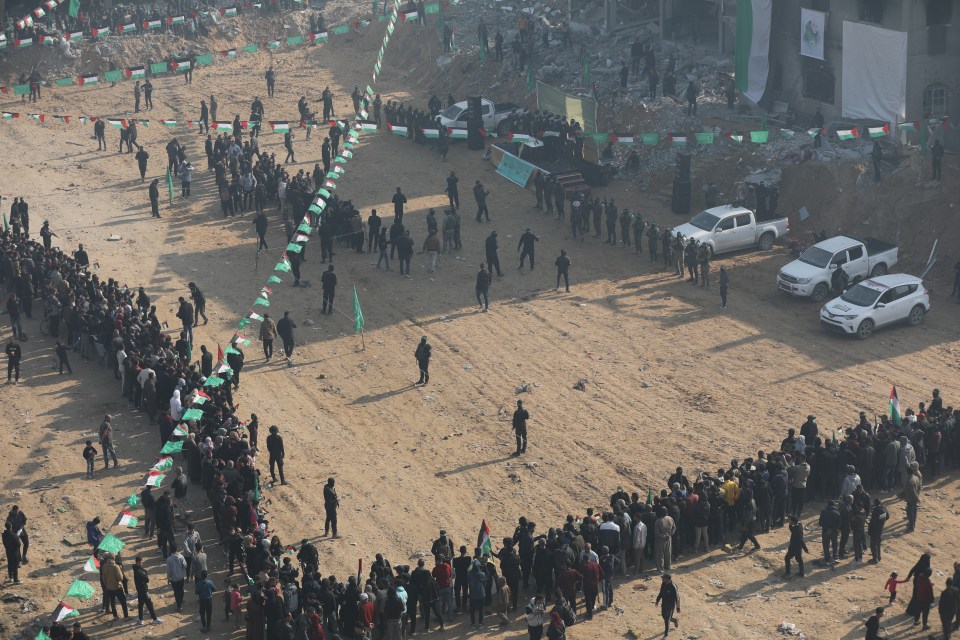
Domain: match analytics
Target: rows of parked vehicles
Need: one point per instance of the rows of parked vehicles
(855, 268)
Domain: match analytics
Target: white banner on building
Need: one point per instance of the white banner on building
(813, 32)
(874, 72)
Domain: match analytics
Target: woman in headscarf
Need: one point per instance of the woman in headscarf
(801, 445)
(176, 407)
(914, 606)
(557, 629)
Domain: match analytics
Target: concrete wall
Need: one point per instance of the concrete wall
(902, 15)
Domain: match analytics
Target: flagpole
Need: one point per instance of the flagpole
(363, 345)
(256, 264)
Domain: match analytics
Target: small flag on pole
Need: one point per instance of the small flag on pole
(63, 611)
(92, 565)
(484, 543)
(170, 185)
(847, 134)
(80, 589)
(357, 313)
(894, 408)
(111, 544)
(125, 519)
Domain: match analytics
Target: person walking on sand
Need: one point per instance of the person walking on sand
(563, 269)
(668, 599)
(268, 333)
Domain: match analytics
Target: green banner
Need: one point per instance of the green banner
(206, 58)
(158, 67)
(21, 89)
(250, 48)
(339, 31)
(433, 7)
(62, 82)
(650, 138)
(293, 41)
(704, 138)
(112, 76)
(514, 169)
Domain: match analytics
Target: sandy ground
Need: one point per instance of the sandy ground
(670, 379)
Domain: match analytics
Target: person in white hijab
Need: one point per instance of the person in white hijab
(176, 407)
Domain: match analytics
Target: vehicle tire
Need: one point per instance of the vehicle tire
(820, 292)
(916, 316)
(766, 242)
(878, 270)
(865, 330)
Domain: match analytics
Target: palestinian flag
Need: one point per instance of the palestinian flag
(154, 479)
(222, 368)
(75, 36)
(79, 589)
(278, 126)
(301, 238)
(457, 134)
(410, 17)
(429, 134)
(39, 12)
(484, 543)
(228, 11)
(63, 611)
(369, 127)
(90, 78)
(47, 40)
(894, 408)
(879, 132)
(221, 125)
(169, 123)
(816, 131)
(180, 431)
(519, 137)
(909, 126)
(398, 131)
(99, 32)
(172, 20)
(20, 44)
(135, 73)
(117, 124)
(230, 53)
(50, 4)
(273, 44)
(165, 463)
(7, 115)
(177, 65)
(125, 519)
(152, 24)
(63, 119)
(92, 565)
(847, 134)
(625, 140)
(677, 139)
(787, 133)
(329, 184)
(127, 28)
(39, 117)
(751, 60)
(255, 316)
(736, 137)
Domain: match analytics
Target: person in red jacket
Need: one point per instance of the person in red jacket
(590, 570)
(567, 583)
(365, 617)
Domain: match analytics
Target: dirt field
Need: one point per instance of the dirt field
(670, 379)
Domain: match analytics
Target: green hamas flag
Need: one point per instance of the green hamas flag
(80, 589)
(74, 10)
(170, 184)
(173, 447)
(113, 76)
(111, 544)
(357, 313)
(133, 500)
(6, 225)
(250, 48)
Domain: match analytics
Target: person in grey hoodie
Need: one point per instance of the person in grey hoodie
(176, 574)
(478, 583)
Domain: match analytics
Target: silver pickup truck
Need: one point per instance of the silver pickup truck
(729, 227)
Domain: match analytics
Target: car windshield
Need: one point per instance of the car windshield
(452, 113)
(705, 220)
(861, 295)
(817, 257)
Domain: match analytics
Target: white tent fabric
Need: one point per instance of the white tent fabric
(874, 73)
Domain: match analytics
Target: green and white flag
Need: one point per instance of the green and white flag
(163, 464)
(80, 589)
(894, 408)
(63, 611)
(357, 313)
(111, 544)
(484, 543)
(752, 62)
(274, 44)
(125, 519)
(759, 137)
(279, 127)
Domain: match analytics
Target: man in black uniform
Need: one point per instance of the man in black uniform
(285, 327)
(563, 270)
(142, 157)
(374, 222)
(100, 131)
(520, 417)
(527, 241)
(480, 195)
(330, 504)
(275, 449)
(199, 304)
(398, 201)
(155, 199)
(493, 261)
(329, 283)
(271, 78)
(452, 192)
(422, 356)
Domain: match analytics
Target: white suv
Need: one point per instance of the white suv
(877, 302)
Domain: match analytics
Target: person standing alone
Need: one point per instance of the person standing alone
(330, 505)
(422, 356)
(520, 417)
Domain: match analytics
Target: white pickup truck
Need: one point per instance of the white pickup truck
(729, 227)
(494, 116)
(811, 275)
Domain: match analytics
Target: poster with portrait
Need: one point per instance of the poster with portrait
(813, 32)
